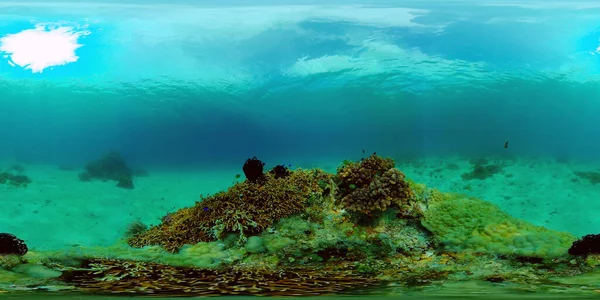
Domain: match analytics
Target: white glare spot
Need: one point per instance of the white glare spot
(42, 47)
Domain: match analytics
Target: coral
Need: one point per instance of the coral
(246, 208)
(255, 244)
(589, 244)
(280, 171)
(482, 172)
(470, 224)
(135, 228)
(253, 169)
(592, 177)
(14, 180)
(131, 277)
(8, 262)
(374, 185)
(10, 244)
(112, 166)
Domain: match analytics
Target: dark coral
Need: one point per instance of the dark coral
(253, 169)
(374, 185)
(280, 171)
(245, 208)
(12, 245)
(589, 244)
(113, 167)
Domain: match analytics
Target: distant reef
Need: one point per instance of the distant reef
(295, 232)
(14, 176)
(111, 166)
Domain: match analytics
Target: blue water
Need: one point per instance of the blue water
(461, 78)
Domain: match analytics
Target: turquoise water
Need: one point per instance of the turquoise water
(189, 91)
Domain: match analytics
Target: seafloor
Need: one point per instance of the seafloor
(453, 227)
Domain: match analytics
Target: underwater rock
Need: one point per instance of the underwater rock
(11, 245)
(112, 166)
(589, 244)
(253, 169)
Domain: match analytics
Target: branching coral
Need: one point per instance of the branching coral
(245, 208)
(373, 185)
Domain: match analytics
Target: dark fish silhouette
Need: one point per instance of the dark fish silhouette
(238, 176)
(506, 144)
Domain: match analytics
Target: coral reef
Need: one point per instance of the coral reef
(246, 208)
(12, 245)
(111, 166)
(301, 232)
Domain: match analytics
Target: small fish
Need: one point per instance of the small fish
(363, 151)
(238, 176)
(206, 209)
(289, 165)
(506, 144)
